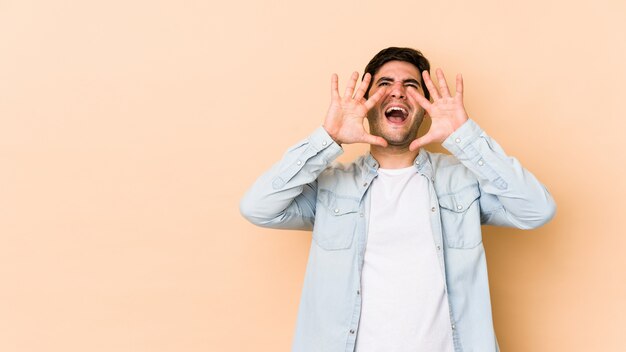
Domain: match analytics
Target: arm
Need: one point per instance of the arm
(510, 194)
(285, 196)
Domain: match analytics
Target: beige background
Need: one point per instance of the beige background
(129, 130)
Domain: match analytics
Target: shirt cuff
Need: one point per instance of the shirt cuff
(321, 141)
(467, 133)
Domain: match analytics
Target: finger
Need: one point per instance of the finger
(443, 85)
(374, 98)
(374, 140)
(334, 87)
(431, 86)
(425, 103)
(420, 142)
(363, 86)
(351, 84)
(459, 85)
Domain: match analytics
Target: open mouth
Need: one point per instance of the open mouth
(396, 114)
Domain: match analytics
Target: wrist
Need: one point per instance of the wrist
(460, 123)
(332, 134)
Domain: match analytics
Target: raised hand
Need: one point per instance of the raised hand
(344, 120)
(446, 112)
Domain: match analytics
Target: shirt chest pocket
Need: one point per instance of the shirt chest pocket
(335, 220)
(460, 218)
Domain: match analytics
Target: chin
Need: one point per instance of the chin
(398, 142)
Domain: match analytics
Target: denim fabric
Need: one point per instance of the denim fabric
(478, 184)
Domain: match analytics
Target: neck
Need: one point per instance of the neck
(393, 157)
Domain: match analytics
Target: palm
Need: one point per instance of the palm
(344, 120)
(447, 112)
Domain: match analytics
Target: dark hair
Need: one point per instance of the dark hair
(409, 55)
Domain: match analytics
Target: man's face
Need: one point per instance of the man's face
(397, 116)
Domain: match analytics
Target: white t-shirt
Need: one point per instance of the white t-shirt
(404, 304)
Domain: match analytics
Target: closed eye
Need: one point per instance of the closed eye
(412, 83)
(386, 81)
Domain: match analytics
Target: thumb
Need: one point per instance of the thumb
(368, 138)
(420, 142)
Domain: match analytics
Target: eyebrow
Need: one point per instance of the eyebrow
(408, 80)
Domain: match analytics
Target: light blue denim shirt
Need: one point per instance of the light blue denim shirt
(477, 184)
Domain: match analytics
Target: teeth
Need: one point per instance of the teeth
(396, 108)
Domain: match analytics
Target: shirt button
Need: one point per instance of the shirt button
(453, 326)
(336, 210)
(351, 331)
(438, 248)
(358, 292)
(365, 184)
(299, 162)
(432, 209)
(324, 143)
(459, 207)
(458, 140)
(481, 162)
(417, 162)
(361, 214)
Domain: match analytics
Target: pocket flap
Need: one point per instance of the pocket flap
(337, 205)
(460, 201)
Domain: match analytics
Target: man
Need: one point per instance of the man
(397, 261)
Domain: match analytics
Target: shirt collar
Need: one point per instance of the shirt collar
(421, 163)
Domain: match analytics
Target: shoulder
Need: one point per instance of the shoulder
(341, 174)
(450, 174)
(440, 160)
(338, 169)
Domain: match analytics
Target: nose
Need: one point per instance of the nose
(398, 91)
